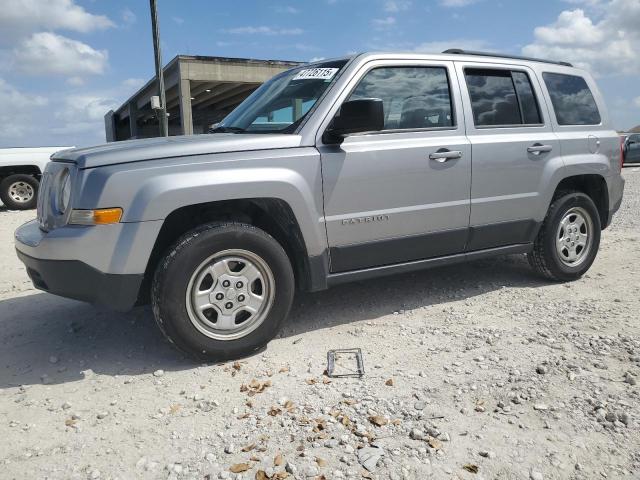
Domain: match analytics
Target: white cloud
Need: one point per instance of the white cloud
(588, 3)
(396, 5)
(133, 83)
(31, 45)
(383, 23)
(636, 102)
(128, 17)
(16, 112)
(21, 17)
(82, 113)
(572, 28)
(605, 42)
(75, 81)
(11, 98)
(47, 53)
(178, 20)
(456, 3)
(78, 118)
(624, 15)
(86, 107)
(264, 30)
(287, 9)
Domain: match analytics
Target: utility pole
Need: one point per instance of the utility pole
(162, 111)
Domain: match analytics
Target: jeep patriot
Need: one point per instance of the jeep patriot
(331, 172)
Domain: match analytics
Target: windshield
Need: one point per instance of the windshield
(280, 104)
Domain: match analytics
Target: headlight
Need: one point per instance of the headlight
(64, 192)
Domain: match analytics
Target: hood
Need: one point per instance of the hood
(167, 147)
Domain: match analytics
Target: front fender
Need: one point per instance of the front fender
(151, 190)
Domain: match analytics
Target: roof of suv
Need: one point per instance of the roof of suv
(456, 54)
(458, 51)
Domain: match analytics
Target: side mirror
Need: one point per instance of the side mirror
(356, 116)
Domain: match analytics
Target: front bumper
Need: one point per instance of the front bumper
(77, 280)
(98, 264)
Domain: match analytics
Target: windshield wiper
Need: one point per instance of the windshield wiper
(223, 129)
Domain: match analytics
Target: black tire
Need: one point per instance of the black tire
(9, 202)
(172, 276)
(545, 258)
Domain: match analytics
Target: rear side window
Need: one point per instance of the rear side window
(572, 100)
(501, 98)
(412, 97)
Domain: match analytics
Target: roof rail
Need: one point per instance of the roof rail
(459, 51)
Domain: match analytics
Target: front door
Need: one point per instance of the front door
(514, 150)
(400, 194)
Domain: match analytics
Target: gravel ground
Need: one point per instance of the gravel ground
(474, 371)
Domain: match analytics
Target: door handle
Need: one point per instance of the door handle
(538, 148)
(444, 155)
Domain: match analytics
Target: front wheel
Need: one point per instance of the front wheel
(19, 192)
(568, 241)
(222, 291)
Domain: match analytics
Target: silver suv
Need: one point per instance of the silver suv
(331, 172)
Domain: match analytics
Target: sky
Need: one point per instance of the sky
(65, 63)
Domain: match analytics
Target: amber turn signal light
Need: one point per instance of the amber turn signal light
(102, 216)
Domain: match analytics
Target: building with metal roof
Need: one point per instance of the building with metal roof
(200, 91)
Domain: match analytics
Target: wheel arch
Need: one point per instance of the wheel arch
(6, 171)
(273, 215)
(593, 185)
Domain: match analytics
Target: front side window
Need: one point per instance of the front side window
(501, 98)
(412, 97)
(280, 104)
(572, 100)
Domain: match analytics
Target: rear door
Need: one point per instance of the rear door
(400, 194)
(514, 151)
(581, 120)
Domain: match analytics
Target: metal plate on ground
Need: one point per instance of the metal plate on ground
(345, 363)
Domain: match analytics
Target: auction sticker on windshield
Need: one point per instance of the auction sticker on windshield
(316, 74)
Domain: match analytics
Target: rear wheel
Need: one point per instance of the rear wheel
(222, 291)
(19, 192)
(568, 241)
